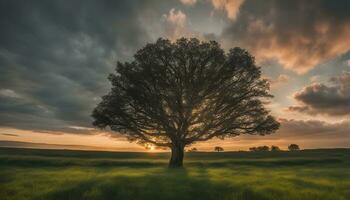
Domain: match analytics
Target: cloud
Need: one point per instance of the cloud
(331, 99)
(314, 79)
(281, 80)
(177, 18)
(188, 2)
(231, 7)
(9, 93)
(176, 24)
(55, 58)
(306, 133)
(348, 62)
(298, 34)
(312, 128)
(9, 134)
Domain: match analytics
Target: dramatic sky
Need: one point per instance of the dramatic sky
(55, 57)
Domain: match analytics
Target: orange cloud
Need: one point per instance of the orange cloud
(188, 2)
(175, 24)
(231, 7)
(302, 54)
(298, 34)
(306, 133)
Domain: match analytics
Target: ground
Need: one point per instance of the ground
(62, 174)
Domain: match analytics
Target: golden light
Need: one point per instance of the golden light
(150, 147)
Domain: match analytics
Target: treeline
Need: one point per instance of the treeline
(217, 149)
(291, 147)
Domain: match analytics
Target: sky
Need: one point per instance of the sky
(55, 57)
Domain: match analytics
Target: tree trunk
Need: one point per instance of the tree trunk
(177, 156)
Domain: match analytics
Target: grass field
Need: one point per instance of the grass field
(61, 174)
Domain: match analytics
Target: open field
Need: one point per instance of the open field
(61, 174)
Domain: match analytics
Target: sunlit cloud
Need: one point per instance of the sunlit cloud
(231, 7)
(175, 24)
(306, 133)
(286, 32)
(188, 2)
(281, 80)
(9, 134)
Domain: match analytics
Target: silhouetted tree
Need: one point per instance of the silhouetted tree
(194, 149)
(275, 148)
(293, 147)
(263, 148)
(253, 149)
(175, 94)
(259, 148)
(218, 149)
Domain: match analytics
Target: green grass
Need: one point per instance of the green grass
(60, 174)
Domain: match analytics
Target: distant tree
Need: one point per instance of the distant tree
(259, 148)
(253, 149)
(175, 94)
(218, 149)
(263, 148)
(293, 147)
(193, 149)
(275, 148)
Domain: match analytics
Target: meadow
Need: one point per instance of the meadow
(72, 175)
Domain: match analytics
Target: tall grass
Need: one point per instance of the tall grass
(39, 174)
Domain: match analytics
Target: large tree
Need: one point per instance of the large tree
(175, 94)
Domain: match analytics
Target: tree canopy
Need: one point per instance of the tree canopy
(293, 147)
(275, 148)
(173, 94)
(218, 149)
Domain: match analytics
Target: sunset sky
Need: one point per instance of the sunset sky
(55, 57)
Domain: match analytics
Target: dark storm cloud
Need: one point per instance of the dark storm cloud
(298, 34)
(55, 57)
(330, 99)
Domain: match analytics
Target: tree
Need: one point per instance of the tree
(275, 148)
(218, 149)
(263, 148)
(194, 149)
(259, 148)
(253, 149)
(175, 94)
(293, 147)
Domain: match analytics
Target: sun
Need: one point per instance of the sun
(150, 147)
